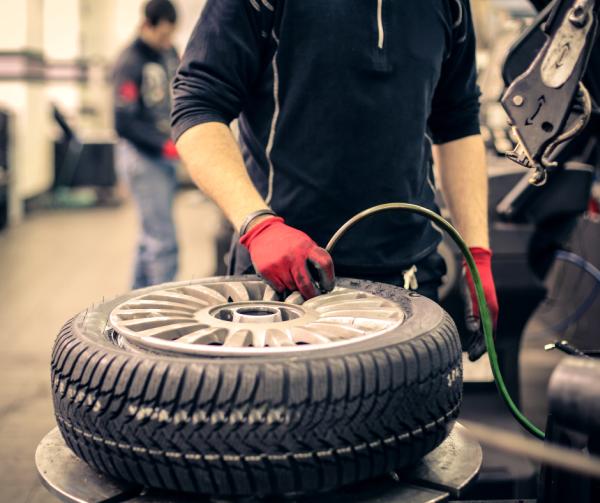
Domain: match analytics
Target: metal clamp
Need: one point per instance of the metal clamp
(548, 96)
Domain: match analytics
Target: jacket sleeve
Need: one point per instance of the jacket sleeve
(455, 105)
(221, 63)
(129, 123)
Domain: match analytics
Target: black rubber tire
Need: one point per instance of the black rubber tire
(272, 425)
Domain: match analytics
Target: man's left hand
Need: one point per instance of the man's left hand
(475, 345)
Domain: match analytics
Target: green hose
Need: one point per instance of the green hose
(486, 320)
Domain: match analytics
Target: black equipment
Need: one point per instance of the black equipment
(573, 421)
(546, 100)
(79, 163)
(4, 166)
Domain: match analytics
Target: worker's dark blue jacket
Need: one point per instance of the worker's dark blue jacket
(338, 102)
(142, 95)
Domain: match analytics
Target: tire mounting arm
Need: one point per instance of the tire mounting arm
(549, 94)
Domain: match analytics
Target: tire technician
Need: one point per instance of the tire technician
(338, 109)
(146, 154)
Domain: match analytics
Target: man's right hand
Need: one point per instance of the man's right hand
(169, 151)
(288, 259)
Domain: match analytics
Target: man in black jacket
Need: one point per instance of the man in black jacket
(342, 105)
(146, 154)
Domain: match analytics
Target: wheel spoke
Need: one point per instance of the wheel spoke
(203, 293)
(364, 324)
(259, 338)
(158, 304)
(239, 339)
(301, 335)
(270, 294)
(295, 298)
(207, 335)
(139, 325)
(178, 297)
(335, 332)
(130, 314)
(170, 332)
(337, 295)
(256, 289)
(277, 338)
(233, 291)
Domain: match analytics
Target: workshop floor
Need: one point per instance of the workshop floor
(52, 266)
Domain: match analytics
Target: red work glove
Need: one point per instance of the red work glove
(475, 345)
(169, 151)
(288, 259)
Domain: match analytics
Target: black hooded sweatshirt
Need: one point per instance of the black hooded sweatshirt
(338, 103)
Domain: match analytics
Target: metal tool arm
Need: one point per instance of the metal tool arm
(547, 104)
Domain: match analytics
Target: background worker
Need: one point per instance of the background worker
(146, 154)
(338, 110)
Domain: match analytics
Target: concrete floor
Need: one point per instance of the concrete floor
(53, 265)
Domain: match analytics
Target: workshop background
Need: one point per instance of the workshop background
(68, 228)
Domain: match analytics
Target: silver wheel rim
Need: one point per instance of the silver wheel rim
(247, 318)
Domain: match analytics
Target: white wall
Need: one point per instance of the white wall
(189, 12)
(50, 27)
(21, 29)
(61, 29)
(66, 31)
(19, 25)
(31, 150)
(62, 44)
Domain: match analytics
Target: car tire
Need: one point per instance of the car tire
(268, 425)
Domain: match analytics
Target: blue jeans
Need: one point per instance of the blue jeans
(152, 183)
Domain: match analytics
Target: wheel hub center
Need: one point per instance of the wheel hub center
(254, 312)
(256, 315)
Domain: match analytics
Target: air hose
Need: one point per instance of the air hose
(486, 320)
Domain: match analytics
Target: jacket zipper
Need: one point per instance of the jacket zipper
(380, 31)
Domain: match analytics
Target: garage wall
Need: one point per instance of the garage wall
(13, 20)
(60, 51)
(22, 94)
(61, 29)
(189, 12)
(30, 150)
